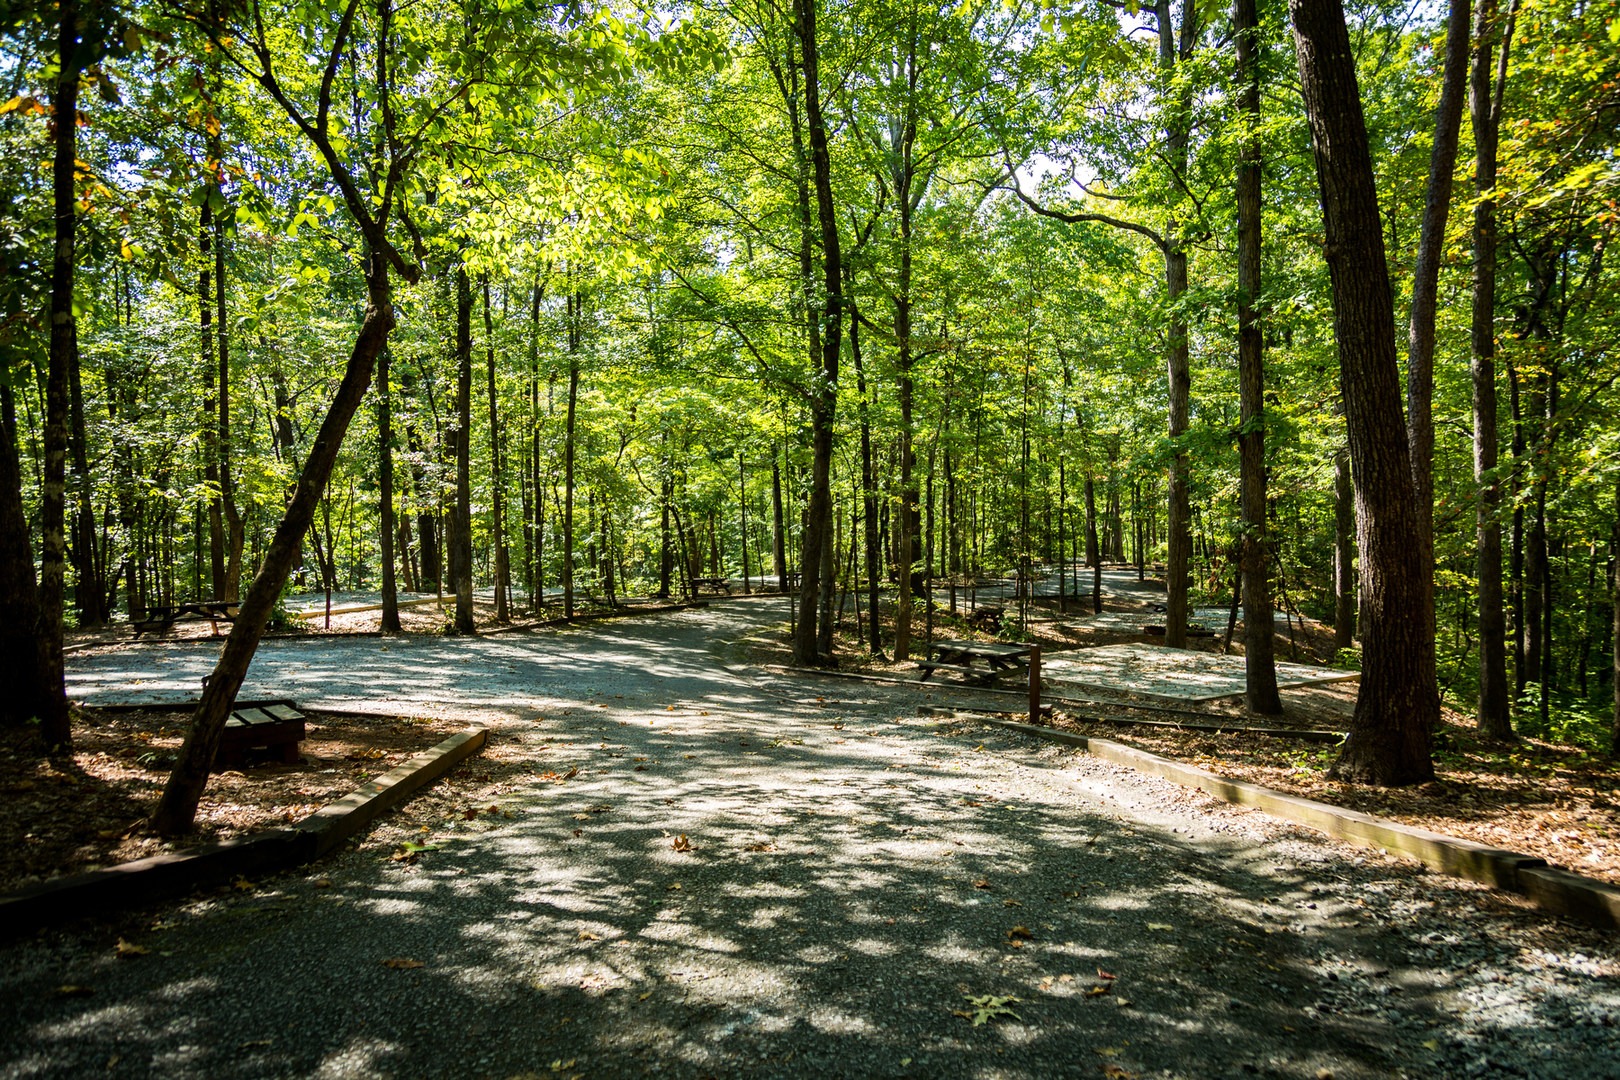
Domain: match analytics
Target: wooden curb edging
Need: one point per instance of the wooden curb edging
(1560, 891)
(162, 877)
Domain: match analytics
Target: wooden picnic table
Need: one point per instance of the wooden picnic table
(714, 585)
(164, 617)
(977, 661)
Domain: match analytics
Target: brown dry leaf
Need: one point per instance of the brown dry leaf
(571, 773)
(242, 884)
(763, 845)
(982, 883)
(682, 843)
(1118, 1072)
(1020, 933)
(127, 950)
(400, 963)
(1098, 990)
(1101, 974)
(73, 990)
(586, 935)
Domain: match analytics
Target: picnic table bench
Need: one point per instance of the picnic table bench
(714, 585)
(986, 616)
(976, 661)
(163, 618)
(275, 726)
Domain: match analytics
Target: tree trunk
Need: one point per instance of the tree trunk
(64, 345)
(461, 514)
(1344, 553)
(574, 304)
(818, 520)
(1493, 708)
(20, 669)
(1614, 615)
(178, 806)
(778, 533)
(90, 594)
(1426, 280)
(210, 416)
(1179, 373)
(1398, 705)
(385, 494)
(503, 612)
(869, 495)
(1259, 659)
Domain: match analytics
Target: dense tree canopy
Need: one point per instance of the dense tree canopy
(579, 302)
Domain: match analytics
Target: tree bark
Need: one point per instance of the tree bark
(1614, 615)
(461, 513)
(385, 493)
(1344, 553)
(64, 345)
(503, 613)
(20, 669)
(1398, 705)
(817, 537)
(1178, 555)
(1259, 659)
(575, 302)
(1426, 279)
(1493, 706)
(871, 542)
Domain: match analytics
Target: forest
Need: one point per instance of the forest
(576, 302)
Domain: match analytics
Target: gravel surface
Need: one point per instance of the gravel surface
(753, 875)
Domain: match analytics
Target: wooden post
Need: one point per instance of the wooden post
(1035, 684)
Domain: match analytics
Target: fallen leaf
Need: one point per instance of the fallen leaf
(1010, 902)
(1118, 1072)
(1020, 933)
(1159, 926)
(127, 949)
(400, 963)
(242, 884)
(987, 1007)
(1101, 974)
(682, 843)
(571, 773)
(73, 990)
(982, 883)
(586, 935)
(322, 883)
(1109, 1051)
(672, 886)
(644, 997)
(1100, 988)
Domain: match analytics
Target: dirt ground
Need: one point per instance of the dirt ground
(61, 817)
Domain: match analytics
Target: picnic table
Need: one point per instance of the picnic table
(977, 661)
(714, 585)
(274, 726)
(164, 617)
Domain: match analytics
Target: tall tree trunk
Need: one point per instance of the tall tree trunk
(869, 492)
(1259, 658)
(503, 613)
(178, 806)
(90, 594)
(824, 399)
(1614, 615)
(210, 416)
(1178, 557)
(461, 514)
(778, 529)
(1494, 704)
(385, 493)
(20, 669)
(574, 304)
(1426, 278)
(1398, 705)
(235, 528)
(64, 345)
(1344, 553)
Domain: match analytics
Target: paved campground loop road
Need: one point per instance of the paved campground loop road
(857, 874)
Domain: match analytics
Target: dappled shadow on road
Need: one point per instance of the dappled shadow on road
(744, 877)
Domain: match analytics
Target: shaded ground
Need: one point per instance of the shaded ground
(708, 872)
(65, 816)
(1556, 802)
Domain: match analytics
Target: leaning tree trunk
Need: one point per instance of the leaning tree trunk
(1259, 659)
(178, 807)
(1398, 706)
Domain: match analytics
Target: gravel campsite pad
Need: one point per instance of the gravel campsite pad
(708, 871)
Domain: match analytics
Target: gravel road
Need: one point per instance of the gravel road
(860, 881)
